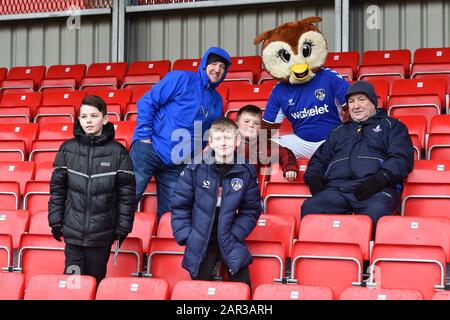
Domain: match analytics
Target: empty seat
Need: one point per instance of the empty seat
(6, 251)
(210, 290)
(104, 75)
(144, 74)
(244, 69)
(418, 97)
(34, 73)
(330, 250)
(246, 94)
(40, 254)
(116, 101)
(39, 223)
(291, 292)
(12, 286)
(3, 73)
(131, 109)
(26, 132)
(439, 138)
(19, 107)
(144, 227)
(148, 201)
(125, 131)
(132, 289)
(44, 151)
(441, 295)
(345, 63)
(387, 64)
(36, 196)
(14, 223)
(60, 287)
(164, 261)
(129, 259)
(186, 64)
(63, 98)
(55, 131)
(9, 195)
(59, 106)
(16, 86)
(417, 127)
(357, 293)
(19, 171)
(431, 63)
(265, 77)
(165, 227)
(63, 76)
(12, 150)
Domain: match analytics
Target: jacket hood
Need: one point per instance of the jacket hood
(202, 68)
(107, 135)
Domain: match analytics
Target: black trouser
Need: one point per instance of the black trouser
(209, 262)
(91, 261)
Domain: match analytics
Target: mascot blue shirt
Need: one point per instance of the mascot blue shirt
(313, 108)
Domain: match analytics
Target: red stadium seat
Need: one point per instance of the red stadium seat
(63, 98)
(131, 109)
(34, 73)
(116, 100)
(144, 227)
(246, 94)
(129, 259)
(431, 63)
(388, 64)
(16, 86)
(19, 171)
(44, 151)
(441, 295)
(144, 74)
(104, 75)
(244, 69)
(74, 72)
(165, 226)
(210, 290)
(357, 293)
(439, 138)
(132, 289)
(44, 171)
(345, 63)
(55, 114)
(58, 85)
(20, 106)
(291, 292)
(12, 286)
(60, 287)
(55, 131)
(3, 73)
(25, 132)
(164, 261)
(6, 251)
(9, 195)
(40, 254)
(264, 77)
(14, 223)
(12, 150)
(186, 64)
(39, 223)
(36, 196)
(277, 228)
(382, 90)
(125, 131)
(148, 201)
(417, 126)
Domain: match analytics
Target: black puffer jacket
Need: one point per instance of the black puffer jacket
(92, 189)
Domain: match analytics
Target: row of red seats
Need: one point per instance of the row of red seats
(30, 6)
(63, 287)
(409, 253)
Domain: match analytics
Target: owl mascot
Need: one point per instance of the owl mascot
(310, 96)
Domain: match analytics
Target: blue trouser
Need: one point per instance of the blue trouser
(146, 164)
(336, 202)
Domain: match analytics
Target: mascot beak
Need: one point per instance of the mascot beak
(300, 71)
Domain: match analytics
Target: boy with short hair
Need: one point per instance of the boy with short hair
(215, 207)
(249, 120)
(92, 192)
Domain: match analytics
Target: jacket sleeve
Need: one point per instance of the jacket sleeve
(320, 160)
(126, 199)
(181, 206)
(58, 190)
(400, 153)
(249, 210)
(147, 107)
(288, 161)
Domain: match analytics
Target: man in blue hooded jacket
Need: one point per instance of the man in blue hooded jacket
(172, 119)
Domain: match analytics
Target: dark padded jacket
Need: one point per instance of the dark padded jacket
(193, 210)
(92, 189)
(354, 151)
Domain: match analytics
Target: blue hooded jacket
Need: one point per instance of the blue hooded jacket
(193, 210)
(176, 102)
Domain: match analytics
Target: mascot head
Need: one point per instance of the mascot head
(295, 51)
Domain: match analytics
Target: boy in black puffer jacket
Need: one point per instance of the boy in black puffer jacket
(215, 207)
(92, 189)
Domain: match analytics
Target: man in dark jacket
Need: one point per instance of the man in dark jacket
(361, 166)
(215, 207)
(172, 118)
(92, 192)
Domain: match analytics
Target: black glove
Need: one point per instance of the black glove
(317, 183)
(372, 185)
(120, 237)
(57, 232)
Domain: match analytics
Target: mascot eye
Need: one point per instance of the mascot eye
(306, 50)
(284, 55)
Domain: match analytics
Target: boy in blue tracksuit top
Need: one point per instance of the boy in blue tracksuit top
(172, 118)
(215, 207)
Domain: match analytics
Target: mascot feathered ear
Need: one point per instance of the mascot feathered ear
(295, 51)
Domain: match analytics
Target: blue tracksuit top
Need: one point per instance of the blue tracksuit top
(178, 110)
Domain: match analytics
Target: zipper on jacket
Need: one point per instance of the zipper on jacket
(358, 135)
(88, 194)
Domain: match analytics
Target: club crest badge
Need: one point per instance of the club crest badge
(320, 94)
(236, 184)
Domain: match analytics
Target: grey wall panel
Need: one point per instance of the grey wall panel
(402, 25)
(37, 42)
(188, 33)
